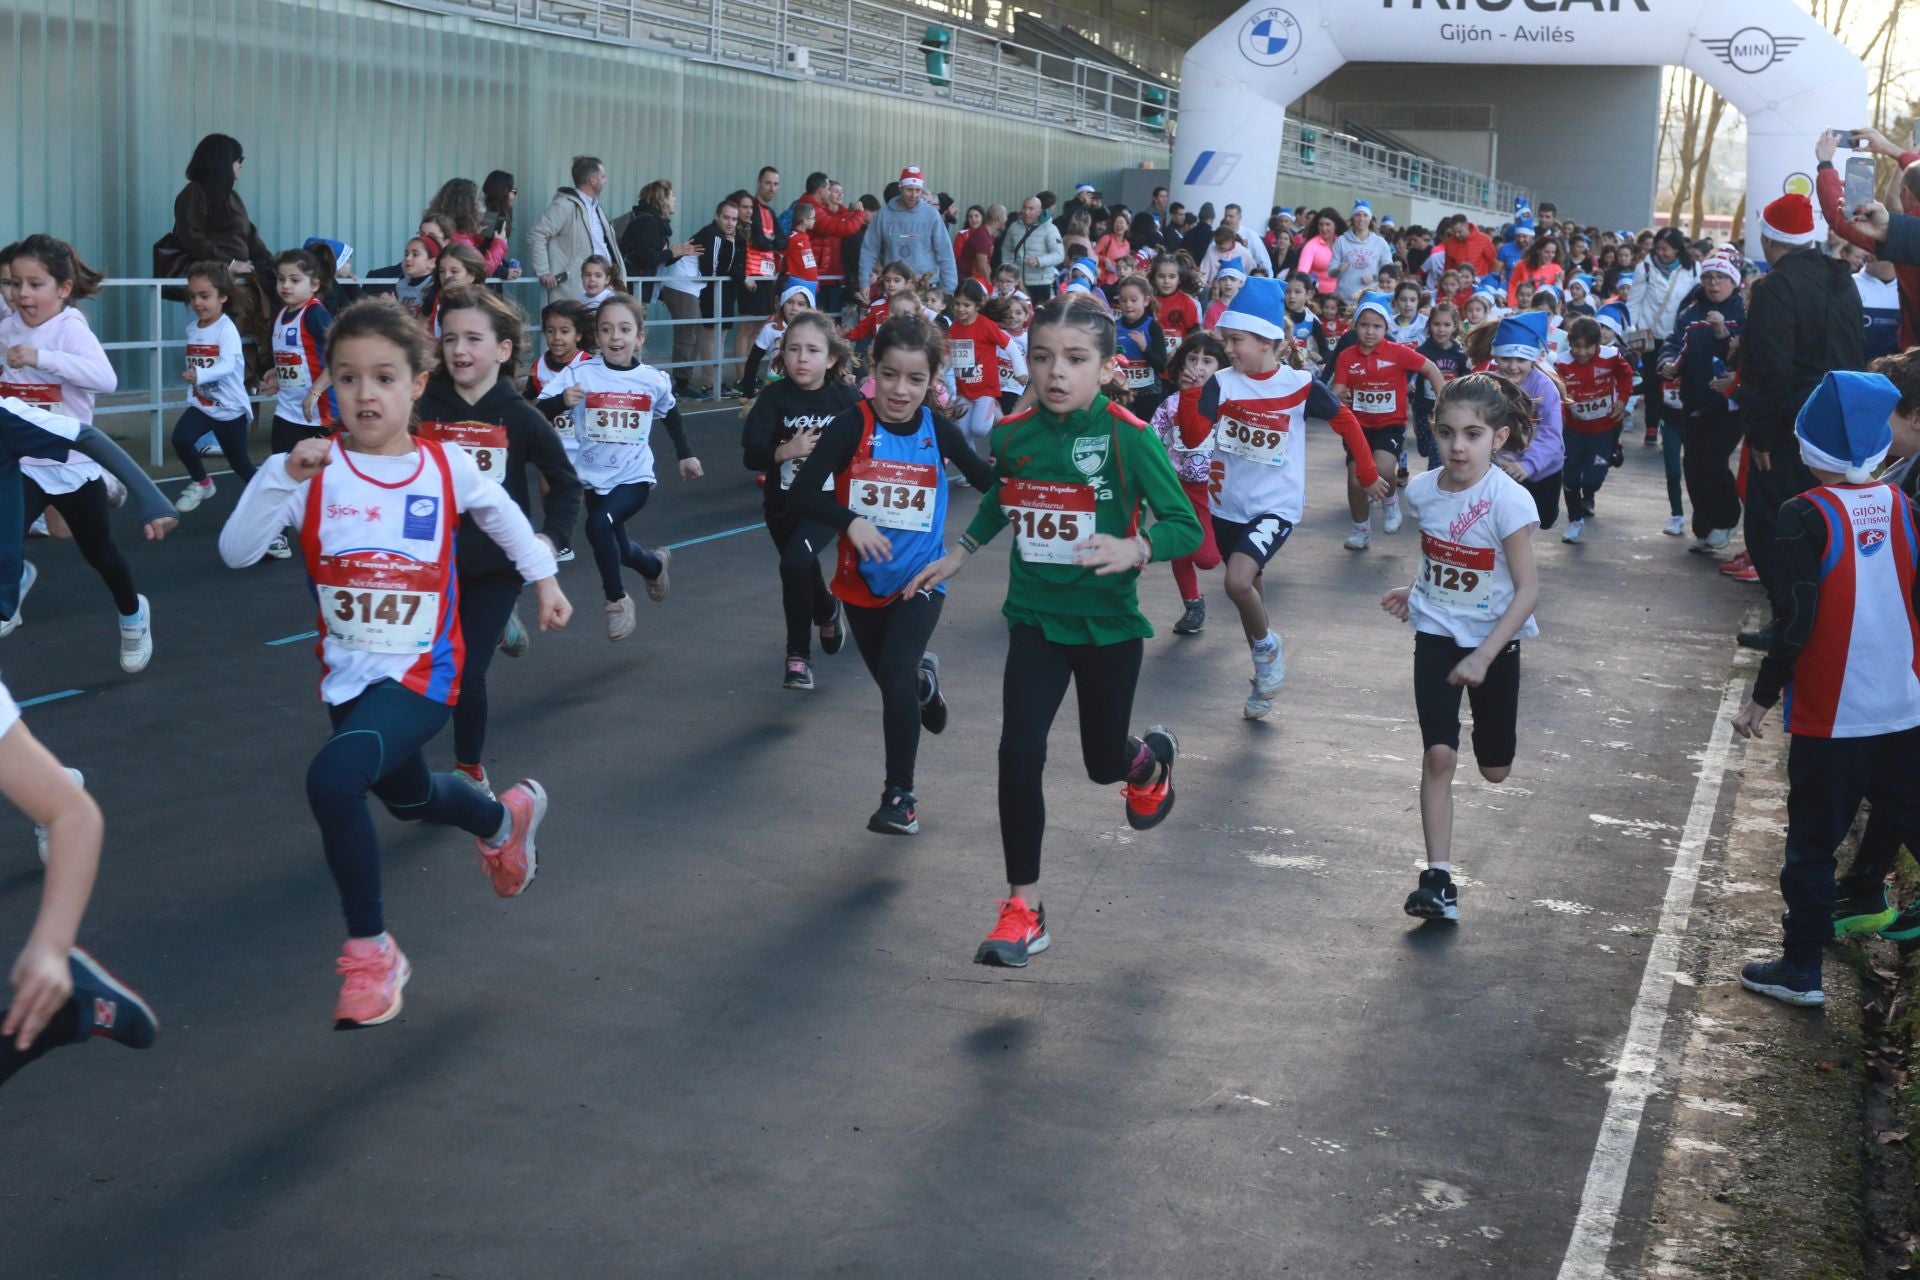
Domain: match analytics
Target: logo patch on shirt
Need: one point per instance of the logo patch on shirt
(1872, 540)
(423, 518)
(1090, 454)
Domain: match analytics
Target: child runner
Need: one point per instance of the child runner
(1599, 383)
(793, 301)
(885, 460)
(1007, 282)
(1176, 302)
(1143, 347)
(61, 995)
(1406, 326)
(1333, 317)
(53, 362)
(1073, 474)
(1371, 376)
(412, 276)
(972, 344)
(1308, 335)
(1189, 447)
(1846, 652)
(459, 265)
(1444, 349)
(615, 398)
(802, 267)
(1480, 308)
(894, 278)
(567, 328)
(471, 407)
(1517, 346)
(781, 430)
(217, 372)
(1226, 283)
(1257, 411)
(1470, 606)
(391, 647)
(1011, 313)
(596, 280)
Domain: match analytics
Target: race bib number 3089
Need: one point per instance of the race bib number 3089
(1051, 522)
(1257, 439)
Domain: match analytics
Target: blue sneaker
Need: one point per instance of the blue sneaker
(1786, 981)
(109, 1007)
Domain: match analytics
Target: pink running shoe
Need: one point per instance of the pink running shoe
(513, 864)
(375, 969)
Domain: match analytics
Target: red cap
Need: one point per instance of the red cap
(911, 177)
(1788, 220)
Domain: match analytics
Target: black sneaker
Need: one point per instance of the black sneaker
(799, 674)
(933, 707)
(1150, 798)
(1619, 458)
(1862, 913)
(896, 815)
(1761, 639)
(1905, 926)
(1192, 620)
(1435, 898)
(833, 634)
(1784, 981)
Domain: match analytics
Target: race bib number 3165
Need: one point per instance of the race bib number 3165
(1051, 522)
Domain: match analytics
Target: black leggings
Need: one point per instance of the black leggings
(484, 605)
(230, 432)
(892, 641)
(1496, 703)
(1706, 460)
(60, 1030)
(804, 597)
(89, 517)
(1546, 497)
(1104, 676)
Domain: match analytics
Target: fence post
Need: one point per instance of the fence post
(159, 426)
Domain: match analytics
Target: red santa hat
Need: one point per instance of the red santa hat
(1788, 220)
(912, 177)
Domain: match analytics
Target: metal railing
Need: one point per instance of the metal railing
(1311, 151)
(868, 45)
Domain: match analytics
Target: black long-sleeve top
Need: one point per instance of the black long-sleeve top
(812, 500)
(779, 412)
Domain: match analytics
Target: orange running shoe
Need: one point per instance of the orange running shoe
(512, 866)
(1151, 799)
(1736, 564)
(375, 970)
(1022, 932)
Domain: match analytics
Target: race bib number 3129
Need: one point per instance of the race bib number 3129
(1456, 578)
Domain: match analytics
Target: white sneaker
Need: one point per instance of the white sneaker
(1573, 531)
(38, 529)
(1392, 524)
(1716, 539)
(136, 643)
(1676, 527)
(620, 618)
(279, 549)
(116, 492)
(563, 556)
(1357, 540)
(28, 576)
(192, 496)
(1267, 679)
(40, 832)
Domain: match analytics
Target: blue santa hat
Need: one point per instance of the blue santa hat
(1843, 425)
(342, 252)
(1548, 291)
(798, 289)
(1520, 205)
(1260, 308)
(1587, 282)
(1522, 336)
(1230, 268)
(1523, 224)
(1490, 282)
(1360, 205)
(1085, 267)
(1614, 316)
(1379, 303)
(1491, 298)
(1387, 221)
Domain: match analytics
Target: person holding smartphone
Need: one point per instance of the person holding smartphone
(1838, 205)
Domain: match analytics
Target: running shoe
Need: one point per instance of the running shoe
(933, 704)
(1391, 524)
(1434, 898)
(38, 529)
(475, 776)
(279, 548)
(563, 556)
(373, 971)
(212, 449)
(1784, 981)
(1652, 438)
(28, 576)
(799, 674)
(1869, 912)
(1150, 799)
(514, 863)
(108, 1007)
(1358, 540)
(620, 618)
(1700, 547)
(192, 496)
(1676, 527)
(896, 815)
(40, 832)
(1020, 934)
(1267, 679)
(514, 640)
(1719, 538)
(1573, 531)
(1745, 573)
(136, 642)
(1906, 925)
(833, 635)
(1193, 620)
(1737, 563)
(116, 492)
(1761, 639)
(1618, 458)
(657, 585)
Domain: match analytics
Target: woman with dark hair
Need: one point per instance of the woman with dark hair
(975, 217)
(1316, 255)
(210, 221)
(497, 195)
(648, 248)
(458, 200)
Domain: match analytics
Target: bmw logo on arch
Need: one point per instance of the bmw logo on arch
(1270, 37)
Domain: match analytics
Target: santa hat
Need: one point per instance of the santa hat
(1522, 336)
(1362, 206)
(1380, 304)
(342, 252)
(1614, 316)
(1843, 425)
(1788, 220)
(1085, 267)
(1585, 281)
(1387, 221)
(1489, 297)
(1523, 226)
(1548, 291)
(1085, 189)
(797, 289)
(912, 177)
(1723, 260)
(1259, 308)
(1230, 270)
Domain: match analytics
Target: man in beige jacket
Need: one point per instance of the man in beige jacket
(574, 228)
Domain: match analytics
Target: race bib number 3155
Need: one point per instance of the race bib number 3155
(1051, 522)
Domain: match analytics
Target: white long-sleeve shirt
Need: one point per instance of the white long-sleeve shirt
(219, 362)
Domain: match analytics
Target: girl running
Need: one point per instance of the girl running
(1257, 411)
(1371, 376)
(1599, 382)
(1407, 326)
(1143, 347)
(458, 266)
(781, 431)
(472, 408)
(1308, 335)
(615, 398)
(1189, 447)
(1470, 607)
(1176, 298)
(53, 362)
(217, 372)
(376, 511)
(596, 280)
(795, 300)
(1073, 474)
(885, 461)
(302, 409)
(1444, 350)
(973, 342)
(567, 329)
(1011, 313)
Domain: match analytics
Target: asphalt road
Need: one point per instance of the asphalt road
(728, 1032)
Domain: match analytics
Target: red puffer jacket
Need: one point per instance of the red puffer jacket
(829, 229)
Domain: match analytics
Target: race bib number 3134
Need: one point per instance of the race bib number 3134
(894, 495)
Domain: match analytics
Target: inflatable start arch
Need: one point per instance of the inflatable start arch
(1784, 72)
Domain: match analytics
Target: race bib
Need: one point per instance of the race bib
(563, 425)
(1051, 522)
(960, 353)
(1008, 378)
(44, 394)
(1138, 375)
(894, 495)
(200, 357)
(806, 259)
(1670, 395)
(1456, 578)
(1172, 343)
(484, 442)
(761, 265)
(1591, 410)
(379, 605)
(1376, 402)
(618, 417)
(292, 368)
(1256, 442)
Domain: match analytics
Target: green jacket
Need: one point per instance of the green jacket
(1108, 450)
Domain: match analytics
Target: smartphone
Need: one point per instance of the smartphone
(1860, 180)
(560, 277)
(1848, 139)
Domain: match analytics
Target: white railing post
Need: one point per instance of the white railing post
(154, 455)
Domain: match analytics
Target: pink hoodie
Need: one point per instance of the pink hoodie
(71, 358)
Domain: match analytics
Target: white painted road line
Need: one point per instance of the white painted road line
(1635, 1073)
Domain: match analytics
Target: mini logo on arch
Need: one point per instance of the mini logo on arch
(1270, 37)
(1751, 50)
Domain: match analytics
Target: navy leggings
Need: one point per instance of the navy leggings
(484, 605)
(376, 747)
(231, 433)
(607, 516)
